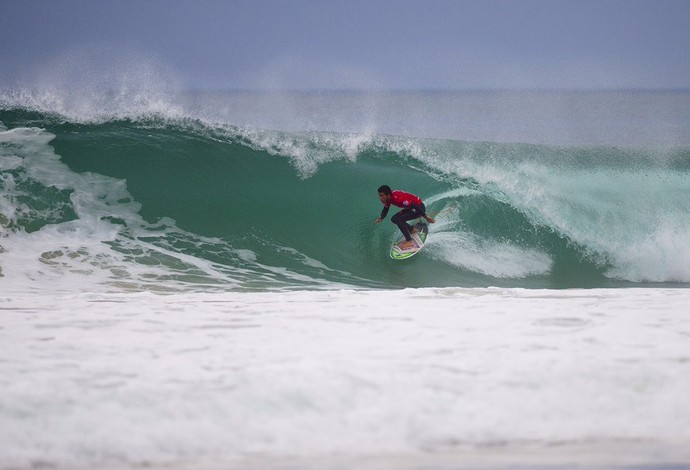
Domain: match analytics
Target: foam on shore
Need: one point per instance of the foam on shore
(143, 379)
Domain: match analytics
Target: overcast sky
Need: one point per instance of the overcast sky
(353, 44)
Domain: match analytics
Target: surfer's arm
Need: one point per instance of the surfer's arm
(384, 213)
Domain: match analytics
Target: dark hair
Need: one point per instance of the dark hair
(385, 189)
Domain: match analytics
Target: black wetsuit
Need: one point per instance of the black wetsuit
(414, 211)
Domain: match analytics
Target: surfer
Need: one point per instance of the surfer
(412, 208)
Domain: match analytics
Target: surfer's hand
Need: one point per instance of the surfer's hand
(378, 220)
(430, 220)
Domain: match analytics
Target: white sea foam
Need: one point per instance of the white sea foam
(492, 258)
(91, 380)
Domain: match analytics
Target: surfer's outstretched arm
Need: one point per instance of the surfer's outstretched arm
(383, 215)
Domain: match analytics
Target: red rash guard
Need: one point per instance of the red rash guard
(404, 200)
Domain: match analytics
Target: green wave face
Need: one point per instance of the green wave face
(181, 204)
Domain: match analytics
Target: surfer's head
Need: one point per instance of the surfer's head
(384, 193)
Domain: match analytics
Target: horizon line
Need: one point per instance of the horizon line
(436, 89)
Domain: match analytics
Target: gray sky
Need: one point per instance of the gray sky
(351, 44)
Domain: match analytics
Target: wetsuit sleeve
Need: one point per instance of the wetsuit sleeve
(384, 212)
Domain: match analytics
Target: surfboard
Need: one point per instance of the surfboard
(419, 238)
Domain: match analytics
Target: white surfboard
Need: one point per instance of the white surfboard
(419, 238)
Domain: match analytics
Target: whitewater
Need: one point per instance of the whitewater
(195, 279)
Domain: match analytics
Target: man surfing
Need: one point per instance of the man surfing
(412, 208)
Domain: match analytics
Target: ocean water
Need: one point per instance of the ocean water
(195, 278)
(198, 197)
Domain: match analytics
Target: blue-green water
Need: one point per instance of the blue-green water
(197, 200)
